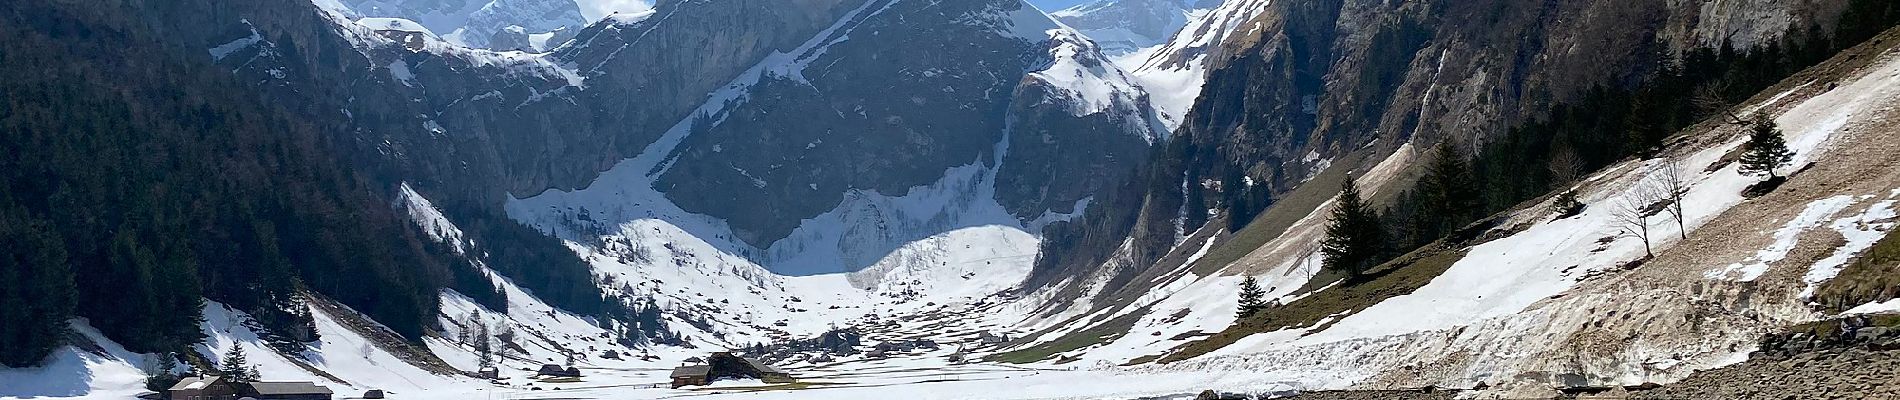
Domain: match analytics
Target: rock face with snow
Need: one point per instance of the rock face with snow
(1291, 87)
(879, 102)
(1336, 75)
(787, 107)
(1125, 26)
(475, 23)
(804, 137)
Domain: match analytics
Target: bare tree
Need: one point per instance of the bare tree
(1564, 165)
(1308, 264)
(1711, 100)
(1632, 211)
(1673, 182)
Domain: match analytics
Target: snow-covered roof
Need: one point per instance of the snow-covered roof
(195, 383)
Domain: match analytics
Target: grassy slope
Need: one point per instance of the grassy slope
(1395, 278)
(1873, 277)
(1285, 211)
(1278, 218)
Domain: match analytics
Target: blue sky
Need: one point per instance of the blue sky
(1052, 5)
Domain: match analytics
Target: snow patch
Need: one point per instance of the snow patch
(1879, 307)
(218, 53)
(1861, 232)
(1786, 238)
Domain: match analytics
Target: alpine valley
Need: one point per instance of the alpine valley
(949, 199)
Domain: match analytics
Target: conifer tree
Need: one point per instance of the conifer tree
(1766, 149)
(1251, 297)
(36, 288)
(484, 349)
(235, 367)
(1449, 189)
(1354, 235)
(159, 374)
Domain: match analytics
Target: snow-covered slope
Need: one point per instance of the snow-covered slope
(1173, 70)
(1121, 27)
(873, 252)
(477, 23)
(1554, 301)
(945, 242)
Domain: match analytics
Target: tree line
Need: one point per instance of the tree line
(139, 182)
(1607, 125)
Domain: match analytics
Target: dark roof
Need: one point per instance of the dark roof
(767, 369)
(692, 371)
(283, 388)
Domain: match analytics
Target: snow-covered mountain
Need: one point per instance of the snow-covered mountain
(754, 174)
(1174, 67)
(1121, 27)
(535, 25)
(808, 164)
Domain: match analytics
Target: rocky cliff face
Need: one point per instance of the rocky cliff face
(1329, 77)
(782, 108)
(1316, 86)
(474, 23)
(811, 127)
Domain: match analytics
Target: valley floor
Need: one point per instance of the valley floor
(925, 376)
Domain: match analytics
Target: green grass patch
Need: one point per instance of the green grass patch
(1285, 211)
(1395, 278)
(1832, 326)
(1100, 333)
(1142, 360)
(1875, 276)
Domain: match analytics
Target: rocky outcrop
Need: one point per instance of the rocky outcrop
(1839, 373)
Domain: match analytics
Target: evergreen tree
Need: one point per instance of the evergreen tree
(1766, 149)
(156, 304)
(36, 288)
(1251, 297)
(159, 374)
(1449, 191)
(235, 367)
(1354, 235)
(484, 349)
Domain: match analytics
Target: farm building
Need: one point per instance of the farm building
(202, 388)
(724, 365)
(284, 391)
(559, 372)
(218, 388)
